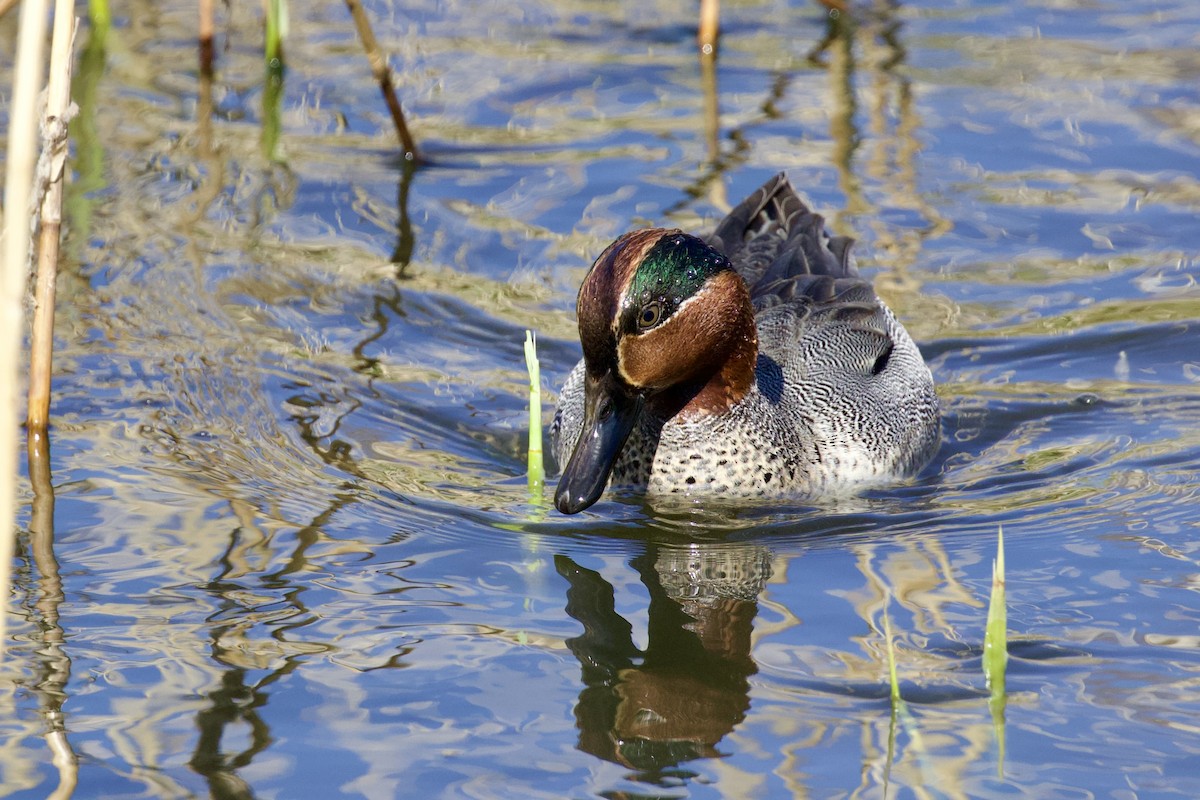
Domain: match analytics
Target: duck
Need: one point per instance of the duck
(752, 363)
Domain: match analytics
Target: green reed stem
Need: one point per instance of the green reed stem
(900, 712)
(891, 659)
(277, 25)
(100, 16)
(537, 468)
(995, 651)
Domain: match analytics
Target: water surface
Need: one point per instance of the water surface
(293, 553)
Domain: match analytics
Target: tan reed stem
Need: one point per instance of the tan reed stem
(379, 68)
(207, 53)
(27, 76)
(710, 22)
(53, 162)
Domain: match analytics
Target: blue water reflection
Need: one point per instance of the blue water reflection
(289, 548)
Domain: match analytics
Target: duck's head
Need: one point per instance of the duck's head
(664, 321)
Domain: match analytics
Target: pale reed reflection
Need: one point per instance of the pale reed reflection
(674, 701)
(54, 663)
(892, 146)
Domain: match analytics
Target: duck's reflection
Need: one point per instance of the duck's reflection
(674, 701)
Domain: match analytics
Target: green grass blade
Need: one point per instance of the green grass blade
(277, 26)
(900, 712)
(100, 16)
(995, 651)
(995, 639)
(537, 468)
(277, 31)
(895, 702)
(891, 659)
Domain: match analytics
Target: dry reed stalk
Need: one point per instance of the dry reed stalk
(27, 77)
(710, 19)
(51, 168)
(206, 38)
(379, 68)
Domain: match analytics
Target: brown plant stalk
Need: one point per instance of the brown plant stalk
(383, 75)
(51, 168)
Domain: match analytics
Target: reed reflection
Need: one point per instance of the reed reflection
(405, 239)
(54, 665)
(891, 141)
(236, 700)
(233, 702)
(675, 700)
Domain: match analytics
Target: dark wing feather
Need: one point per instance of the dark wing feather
(781, 249)
(772, 236)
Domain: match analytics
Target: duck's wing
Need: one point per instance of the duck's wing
(773, 236)
(781, 249)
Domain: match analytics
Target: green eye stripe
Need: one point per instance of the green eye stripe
(672, 271)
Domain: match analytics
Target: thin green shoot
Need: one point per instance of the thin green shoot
(277, 30)
(100, 16)
(895, 702)
(901, 713)
(891, 659)
(537, 468)
(995, 651)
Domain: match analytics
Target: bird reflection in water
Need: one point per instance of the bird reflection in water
(674, 701)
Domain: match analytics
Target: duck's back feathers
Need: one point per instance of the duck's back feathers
(773, 237)
(781, 249)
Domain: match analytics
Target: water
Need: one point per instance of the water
(296, 552)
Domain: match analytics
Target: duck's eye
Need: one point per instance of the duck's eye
(651, 314)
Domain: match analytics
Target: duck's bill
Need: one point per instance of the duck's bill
(609, 414)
